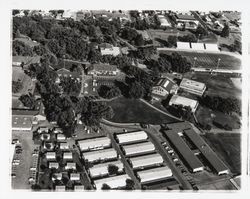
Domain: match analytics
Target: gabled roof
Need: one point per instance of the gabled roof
(165, 83)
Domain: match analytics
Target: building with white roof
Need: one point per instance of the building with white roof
(198, 46)
(102, 169)
(60, 136)
(131, 137)
(53, 165)
(64, 145)
(184, 101)
(155, 174)
(146, 160)
(57, 176)
(67, 156)
(194, 87)
(183, 45)
(75, 176)
(112, 182)
(104, 154)
(108, 49)
(93, 143)
(164, 22)
(60, 188)
(136, 149)
(78, 188)
(212, 47)
(51, 155)
(70, 165)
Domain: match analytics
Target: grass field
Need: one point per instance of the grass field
(135, 111)
(217, 84)
(227, 146)
(210, 60)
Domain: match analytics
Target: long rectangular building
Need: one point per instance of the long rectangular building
(146, 160)
(207, 152)
(137, 149)
(155, 174)
(112, 182)
(102, 169)
(194, 87)
(92, 143)
(104, 154)
(131, 137)
(193, 162)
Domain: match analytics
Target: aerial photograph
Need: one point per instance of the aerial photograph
(126, 100)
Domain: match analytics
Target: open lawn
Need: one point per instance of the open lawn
(227, 147)
(209, 60)
(218, 84)
(135, 111)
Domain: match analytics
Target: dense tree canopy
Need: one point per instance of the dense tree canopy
(28, 100)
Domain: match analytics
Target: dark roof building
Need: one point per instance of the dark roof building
(208, 153)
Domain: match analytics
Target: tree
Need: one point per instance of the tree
(109, 92)
(28, 100)
(172, 40)
(225, 31)
(16, 86)
(20, 48)
(188, 38)
(113, 169)
(139, 40)
(136, 90)
(129, 184)
(105, 187)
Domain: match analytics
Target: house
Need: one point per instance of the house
(60, 137)
(43, 129)
(164, 21)
(78, 188)
(70, 165)
(186, 21)
(194, 87)
(103, 70)
(108, 49)
(51, 155)
(184, 101)
(60, 188)
(64, 145)
(163, 87)
(67, 156)
(75, 176)
(53, 165)
(94, 143)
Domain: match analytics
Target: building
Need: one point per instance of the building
(60, 137)
(67, 156)
(70, 165)
(75, 176)
(184, 101)
(186, 21)
(105, 154)
(155, 174)
(42, 129)
(103, 70)
(102, 169)
(108, 49)
(137, 149)
(94, 143)
(131, 137)
(193, 163)
(194, 87)
(78, 188)
(57, 176)
(183, 45)
(60, 188)
(64, 145)
(53, 165)
(63, 72)
(22, 122)
(51, 155)
(216, 163)
(112, 182)
(146, 160)
(162, 88)
(164, 21)
(144, 34)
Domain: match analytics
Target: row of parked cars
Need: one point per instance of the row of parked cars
(16, 157)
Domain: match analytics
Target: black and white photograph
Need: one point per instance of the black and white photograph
(128, 100)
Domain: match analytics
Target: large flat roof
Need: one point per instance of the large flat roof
(113, 182)
(180, 100)
(100, 154)
(102, 169)
(146, 160)
(192, 161)
(154, 174)
(191, 84)
(94, 142)
(131, 136)
(138, 148)
(207, 152)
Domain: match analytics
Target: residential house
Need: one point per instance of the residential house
(103, 70)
